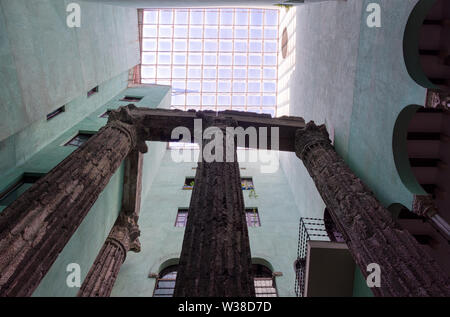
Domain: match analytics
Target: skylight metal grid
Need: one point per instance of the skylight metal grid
(214, 58)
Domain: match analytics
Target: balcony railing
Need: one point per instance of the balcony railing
(309, 229)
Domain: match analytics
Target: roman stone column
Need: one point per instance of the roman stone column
(103, 273)
(36, 227)
(215, 258)
(370, 232)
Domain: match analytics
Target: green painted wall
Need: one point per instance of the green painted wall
(84, 245)
(355, 81)
(275, 241)
(45, 64)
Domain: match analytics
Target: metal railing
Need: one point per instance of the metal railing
(309, 229)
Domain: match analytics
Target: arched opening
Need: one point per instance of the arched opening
(165, 283)
(426, 48)
(264, 281)
(263, 278)
(422, 153)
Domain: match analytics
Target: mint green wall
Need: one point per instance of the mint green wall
(18, 148)
(355, 81)
(275, 241)
(45, 64)
(84, 245)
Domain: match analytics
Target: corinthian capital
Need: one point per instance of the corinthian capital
(126, 232)
(424, 205)
(125, 120)
(311, 135)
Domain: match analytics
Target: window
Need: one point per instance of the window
(131, 99)
(264, 281)
(181, 217)
(56, 112)
(252, 216)
(92, 91)
(79, 139)
(212, 47)
(14, 191)
(247, 183)
(189, 183)
(165, 284)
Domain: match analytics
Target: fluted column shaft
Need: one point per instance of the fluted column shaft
(215, 258)
(123, 237)
(370, 232)
(36, 227)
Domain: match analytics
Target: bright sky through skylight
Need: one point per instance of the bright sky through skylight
(214, 59)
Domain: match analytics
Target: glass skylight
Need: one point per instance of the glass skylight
(214, 58)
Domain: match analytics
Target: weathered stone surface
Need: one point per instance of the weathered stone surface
(424, 205)
(103, 273)
(123, 236)
(215, 258)
(157, 124)
(36, 227)
(368, 228)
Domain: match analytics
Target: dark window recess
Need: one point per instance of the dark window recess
(92, 91)
(247, 183)
(423, 162)
(423, 239)
(264, 281)
(428, 136)
(165, 284)
(79, 139)
(131, 98)
(429, 188)
(252, 216)
(182, 215)
(56, 112)
(14, 191)
(189, 183)
(406, 214)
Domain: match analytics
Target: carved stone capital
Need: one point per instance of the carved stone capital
(438, 99)
(424, 205)
(311, 135)
(126, 233)
(124, 120)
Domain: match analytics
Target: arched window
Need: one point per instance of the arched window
(165, 284)
(264, 281)
(263, 278)
(426, 45)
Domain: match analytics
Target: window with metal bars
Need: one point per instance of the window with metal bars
(165, 283)
(264, 281)
(252, 216)
(181, 219)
